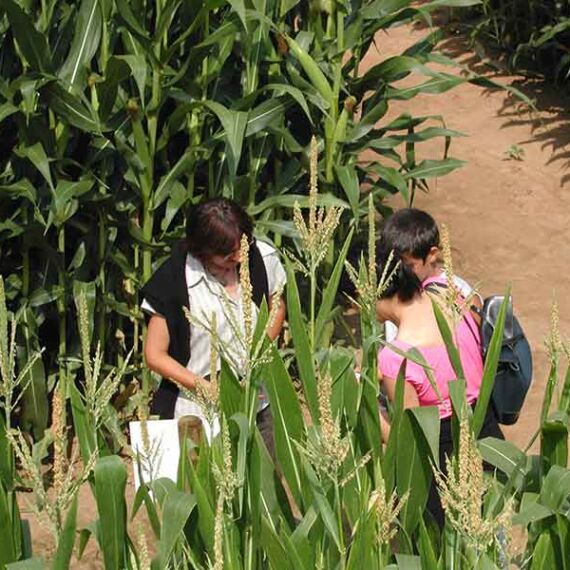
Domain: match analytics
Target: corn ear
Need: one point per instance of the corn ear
(313, 71)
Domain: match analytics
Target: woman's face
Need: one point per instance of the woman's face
(226, 262)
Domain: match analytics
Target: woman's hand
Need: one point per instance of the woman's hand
(157, 358)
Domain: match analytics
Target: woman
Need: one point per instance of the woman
(201, 274)
(405, 302)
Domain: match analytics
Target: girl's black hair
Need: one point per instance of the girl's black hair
(404, 282)
(215, 227)
(410, 231)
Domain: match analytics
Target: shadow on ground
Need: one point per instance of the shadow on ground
(549, 121)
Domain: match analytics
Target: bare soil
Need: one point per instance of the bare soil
(509, 219)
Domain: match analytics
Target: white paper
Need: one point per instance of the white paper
(161, 457)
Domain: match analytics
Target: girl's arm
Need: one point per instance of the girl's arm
(410, 395)
(157, 358)
(410, 401)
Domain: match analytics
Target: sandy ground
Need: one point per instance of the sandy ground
(509, 220)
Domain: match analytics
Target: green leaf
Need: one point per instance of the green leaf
(163, 190)
(277, 555)
(139, 70)
(36, 154)
(8, 546)
(234, 124)
(413, 468)
(531, 513)
(65, 192)
(312, 69)
(409, 562)
(67, 538)
(348, 178)
(322, 505)
(239, 8)
(33, 44)
(330, 291)
(555, 489)
(266, 114)
(544, 555)
(288, 422)
(394, 178)
(554, 441)
(490, 369)
(86, 40)
(175, 512)
(231, 391)
(434, 168)
(301, 343)
(447, 335)
(564, 401)
(505, 456)
(7, 110)
(109, 489)
(294, 92)
(425, 547)
(71, 109)
(23, 188)
(34, 414)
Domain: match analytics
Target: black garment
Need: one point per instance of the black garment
(167, 292)
(490, 429)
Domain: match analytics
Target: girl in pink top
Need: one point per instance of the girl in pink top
(405, 302)
(468, 342)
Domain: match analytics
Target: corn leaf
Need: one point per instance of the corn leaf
(86, 40)
(303, 354)
(109, 489)
(176, 509)
(330, 291)
(67, 538)
(32, 43)
(490, 369)
(288, 422)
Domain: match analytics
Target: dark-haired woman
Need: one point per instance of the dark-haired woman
(406, 303)
(201, 274)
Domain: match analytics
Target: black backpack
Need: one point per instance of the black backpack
(514, 369)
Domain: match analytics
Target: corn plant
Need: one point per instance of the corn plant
(13, 545)
(534, 35)
(118, 115)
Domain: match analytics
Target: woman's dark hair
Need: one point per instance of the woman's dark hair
(410, 231)
(215, 227)
(403, 282)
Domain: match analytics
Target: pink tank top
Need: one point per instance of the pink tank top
(468, 343)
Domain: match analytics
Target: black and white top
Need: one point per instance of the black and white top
(207, 296)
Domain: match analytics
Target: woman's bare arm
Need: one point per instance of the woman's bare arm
(157, 358)
(277, 324)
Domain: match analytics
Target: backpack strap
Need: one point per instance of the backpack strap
(475, 311)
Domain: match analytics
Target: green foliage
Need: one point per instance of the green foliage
(116, 116)
(534, 35)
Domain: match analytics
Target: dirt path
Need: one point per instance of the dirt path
(509, 219)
